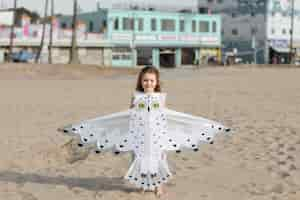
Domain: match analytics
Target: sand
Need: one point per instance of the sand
(258, 161)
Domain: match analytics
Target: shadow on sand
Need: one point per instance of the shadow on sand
(93, 184)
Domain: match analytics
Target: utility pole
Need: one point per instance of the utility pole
(132, 42)
(38, 55)
(199, 48)
(292, 31)
(74, 58)
(12, 30)
(51, 34)
(253, 31)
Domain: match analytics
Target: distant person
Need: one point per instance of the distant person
(6, 56)
(274, 60)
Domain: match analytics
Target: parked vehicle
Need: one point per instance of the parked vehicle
(23, 56)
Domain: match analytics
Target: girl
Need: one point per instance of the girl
(149, 82)
(148, 130)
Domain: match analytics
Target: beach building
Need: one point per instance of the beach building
(258, 31)
(243, 27)
(282, 31)
(167, 39)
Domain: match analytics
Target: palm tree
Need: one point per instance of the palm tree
(43, 32)
(11, 38)
(51, 34)
(73, 52)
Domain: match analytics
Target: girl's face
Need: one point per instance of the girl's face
(149, 82)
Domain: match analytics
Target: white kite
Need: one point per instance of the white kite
(148, 130)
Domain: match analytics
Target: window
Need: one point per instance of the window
(104, 23)
(116, 24)
(214, 27)
(128, 24)
(91, 26)
(273, 31)
(234, 32)
(193, 26)
(220, 1)
(116, 57)
(283, 31)
(210, 1)
(63, 25)
(103, 26)
(141, 24)
(121, 50)
(181, 25)
(167, 25)
(121, 53)
(284, 14)
(203, 26)
(153, 24)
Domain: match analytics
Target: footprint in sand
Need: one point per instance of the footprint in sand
(73, 153)
(282, 157)
(27, 196)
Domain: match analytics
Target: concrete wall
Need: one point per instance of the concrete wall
(60, 55)
(107, 53)
(86, 55)
(91, 56)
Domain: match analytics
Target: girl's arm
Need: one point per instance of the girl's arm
(163, 99)
(131, 102)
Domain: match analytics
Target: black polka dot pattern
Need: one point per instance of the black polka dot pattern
(151, 132)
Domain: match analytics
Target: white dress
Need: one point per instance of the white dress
(148, 130)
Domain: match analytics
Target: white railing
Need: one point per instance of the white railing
(33, 34)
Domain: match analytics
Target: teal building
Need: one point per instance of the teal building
(162, 39)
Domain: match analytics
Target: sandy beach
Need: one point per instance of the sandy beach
(258, 161)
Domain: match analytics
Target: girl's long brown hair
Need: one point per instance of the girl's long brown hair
(151, 70)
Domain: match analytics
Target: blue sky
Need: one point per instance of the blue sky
(65, 6)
